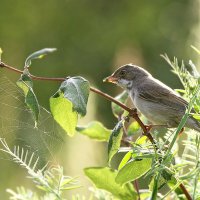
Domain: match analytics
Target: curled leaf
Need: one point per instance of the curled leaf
(38, 54)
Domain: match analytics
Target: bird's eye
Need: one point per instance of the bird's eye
(122, 72)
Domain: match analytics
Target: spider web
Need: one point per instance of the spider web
(18, 128)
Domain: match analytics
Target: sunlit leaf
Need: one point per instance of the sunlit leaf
(133, 128)
(115, 140)
(117, 110)
(26, 84)
(95, 130)
(38, 54)
(141, 140)
(133, 170)
(104, 178)
(63, 113)
(76, 89)
(181, 91)
(125, 159)
(196, 116)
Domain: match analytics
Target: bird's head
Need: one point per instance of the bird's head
(126, 75)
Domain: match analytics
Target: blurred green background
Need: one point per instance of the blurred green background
(92, 38)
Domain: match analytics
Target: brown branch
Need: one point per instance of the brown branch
(186, 193)
(132, 112)
(3, 65)
(106, 96)
(136, 186)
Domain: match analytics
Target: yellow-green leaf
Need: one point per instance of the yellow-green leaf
(63, 113)
(104, 178)
(133, 128)
(95, 130)
(125, 159)
(196, 116)
(133, 170)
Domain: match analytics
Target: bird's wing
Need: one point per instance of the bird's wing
(165, 97)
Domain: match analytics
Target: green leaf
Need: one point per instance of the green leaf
(181, 91)
(196, 116)
(95, 130)
(117, 110)
(38, 54)
(141, 140)
(125, 159)
(76, 89)
(133, 170)
(26, 84)
(63, 113)
(173, 184)
(133, 128)
(115, 140)
(104, 178)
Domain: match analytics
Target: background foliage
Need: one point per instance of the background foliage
(91, 38)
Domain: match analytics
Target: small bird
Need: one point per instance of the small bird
(155, 100)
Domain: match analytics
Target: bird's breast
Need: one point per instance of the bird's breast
(149, 109)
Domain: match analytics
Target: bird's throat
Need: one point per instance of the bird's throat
(125, 84)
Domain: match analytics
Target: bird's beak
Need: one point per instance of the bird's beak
(110, 79)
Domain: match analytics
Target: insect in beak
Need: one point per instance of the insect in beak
(110, 79)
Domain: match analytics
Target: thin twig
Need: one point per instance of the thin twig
(132, 112)
(106, 96)
(3, 65)
(136, 186)
(186, 193)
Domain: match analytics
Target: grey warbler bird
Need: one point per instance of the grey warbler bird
(155, 100)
